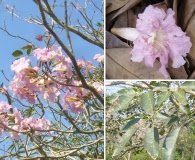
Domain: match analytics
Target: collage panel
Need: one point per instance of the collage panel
(148, 120)
(150, 39)
(52, 80)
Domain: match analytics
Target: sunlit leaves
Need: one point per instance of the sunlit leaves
(172, 120)
(151, 142)
(147, 102)
(163, 117)
(161, 87)
(121, 99)
(124, 140)
(180, 95)
(162, 97)
(188, 85)
(170, 143)
(185, 109)
(163, 107)
(130, 123)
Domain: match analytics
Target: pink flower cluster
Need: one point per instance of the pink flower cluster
(4, 107)
(22, 82)
(99, 58)
(159, 37)
(30, 124)
(30, 81)
(74, 97)
(99, 87)
(27, 81)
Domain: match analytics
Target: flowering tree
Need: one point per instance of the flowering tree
(150, 115)
(54, 101)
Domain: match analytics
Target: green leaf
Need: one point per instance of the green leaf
(180, 95)
(121, 100)
(172, 120)
(162, 132)
(184, 109)
(147, 102)
(124, 140)
(161, 87)
(130, 123)
(27, 47)
(17, 53)
(162, 97)
(188, 85)
(99, 24)
(163, 117)
(151, 142)
(112, 98)
(28, 51)
(169, 144)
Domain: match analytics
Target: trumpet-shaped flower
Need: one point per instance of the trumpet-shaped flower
(4, 106)
(20, 64)
(99, 58)
(159, 37)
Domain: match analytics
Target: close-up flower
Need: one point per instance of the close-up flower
(157, 37)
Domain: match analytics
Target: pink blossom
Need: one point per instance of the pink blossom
(78, 7)
(77, 107)
(81, 63)
(39, 37)
(35, 124)
(99, 87)
(15, 135)
(78, 92)
(75, 104)
(18, 116)
(42, 124)
(20, 64)
(4, 106)
(85, 65)
(7, 6)
(41, 54)
(22, 84)
(28, 123)
(99, 58)
(48, 89)
(160, 38)
(5, 121)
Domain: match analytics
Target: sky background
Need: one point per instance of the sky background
(16, 26)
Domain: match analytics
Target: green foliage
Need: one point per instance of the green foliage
(163, 96)
(170, 143)
(188, 85)
(17, 53)
(121, 99)
(152, 118)
(180, 95)
(151, 142)
(130, 123)
(124, 140)
(147, 102)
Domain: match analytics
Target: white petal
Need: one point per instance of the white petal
(127, 33)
